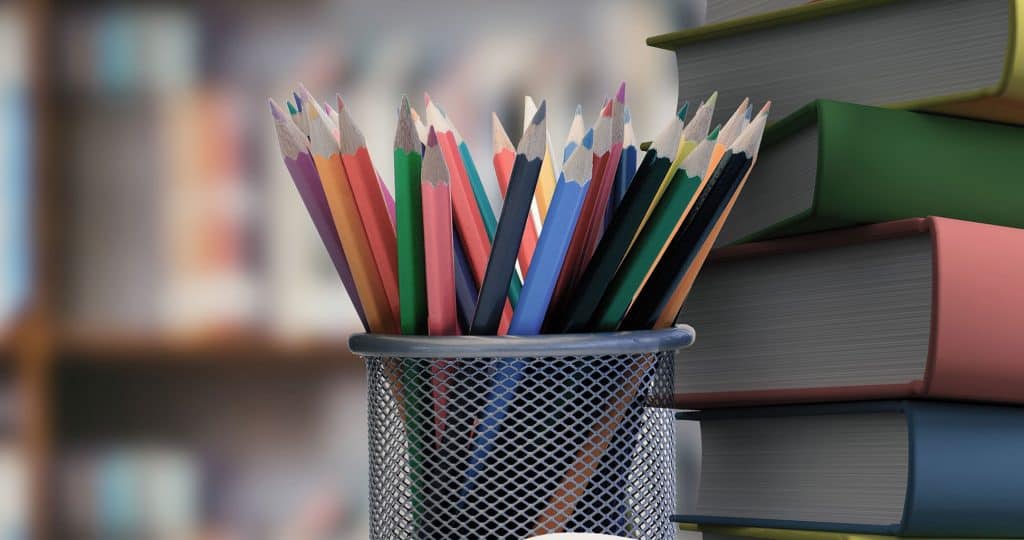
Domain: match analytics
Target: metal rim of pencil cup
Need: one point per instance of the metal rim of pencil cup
(590, 344)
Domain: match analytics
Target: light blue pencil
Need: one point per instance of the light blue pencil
(575, 134)
(570, 191)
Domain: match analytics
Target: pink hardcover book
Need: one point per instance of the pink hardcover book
(916, 308)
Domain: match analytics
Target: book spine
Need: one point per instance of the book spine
(966, 478)
(705, 400)
(978, 313)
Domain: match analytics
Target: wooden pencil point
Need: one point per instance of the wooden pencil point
(681, 113)
(350, 137)
(406, 137)
(621, 95)
(579, 166)
(499, 137)
(534, 141)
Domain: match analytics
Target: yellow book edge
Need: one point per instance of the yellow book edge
(1002, 102)
(792, 534)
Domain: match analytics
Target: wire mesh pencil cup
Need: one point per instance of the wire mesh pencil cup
(510, 437)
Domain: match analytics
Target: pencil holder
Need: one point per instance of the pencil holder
(508, 437)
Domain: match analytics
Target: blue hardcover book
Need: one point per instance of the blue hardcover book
(903, 468)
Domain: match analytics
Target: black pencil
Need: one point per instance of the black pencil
(576, 310)
(509, 234)
(711, 202)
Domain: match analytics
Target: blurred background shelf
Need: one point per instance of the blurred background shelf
(142, 199)
(233, 350)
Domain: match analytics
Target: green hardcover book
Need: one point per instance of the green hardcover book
(834, 164)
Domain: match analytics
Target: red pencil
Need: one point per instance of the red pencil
(504, 158)
(475, 242)
(373, 211)
(439, 256)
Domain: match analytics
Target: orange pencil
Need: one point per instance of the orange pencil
(729, 132)
(504, 158)
(369, 199)
(327, 157)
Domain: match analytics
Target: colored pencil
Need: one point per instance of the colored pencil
(465, 287)
(301, 119)
(605, 174)
(627, 164)
(504, 159)
(412, 284)
(299, 162)
(484, 204)
(575, 312)
(522, 185)
(728, 134)
(576, 132)
(725, 182)
(421, 128)
(652, 240)
(475, 241)
(694, 132)
(570, 192)
(572, 266)
(514, 213)
(369, 199)
(338, 190)
(437, 241)
(546, 182)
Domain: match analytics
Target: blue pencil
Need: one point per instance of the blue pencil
(533, 303)
(575, 134)
(563, 212)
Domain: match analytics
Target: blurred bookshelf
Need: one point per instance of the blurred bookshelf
(180, 329)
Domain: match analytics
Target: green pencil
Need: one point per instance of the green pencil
(412, 300)
(653, 238)
(412, 290)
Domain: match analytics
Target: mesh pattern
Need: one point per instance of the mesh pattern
(506, 448)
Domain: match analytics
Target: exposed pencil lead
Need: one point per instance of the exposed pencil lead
(298, 101)
(627, 117)
(579, 110)
(714, 133)
(606, 110)
(291, 108)
(426, 99)
(275, 110)
(541, 113)
(588, 139)
(681, 113)
(749, 112)
(621, 95)
(734, 126)
(432, 137)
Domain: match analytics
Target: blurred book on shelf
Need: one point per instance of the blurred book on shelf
(15, 174)
(131, 492)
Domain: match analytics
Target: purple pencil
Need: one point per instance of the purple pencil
(295, 150)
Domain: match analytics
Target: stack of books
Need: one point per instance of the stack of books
(859, 367)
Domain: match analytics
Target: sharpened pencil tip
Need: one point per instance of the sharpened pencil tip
(683, 110)
(541, 113)
(749, 112)
(711, 100)
(607, 109)
(275, 110)
(341, 102)
(432, 137)
(621, 95)
(291, 108)
(298, 101)
(426, 99)
(626, 116)
(767, 107)
(579, 110)
(714, 132)
(406, 108)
